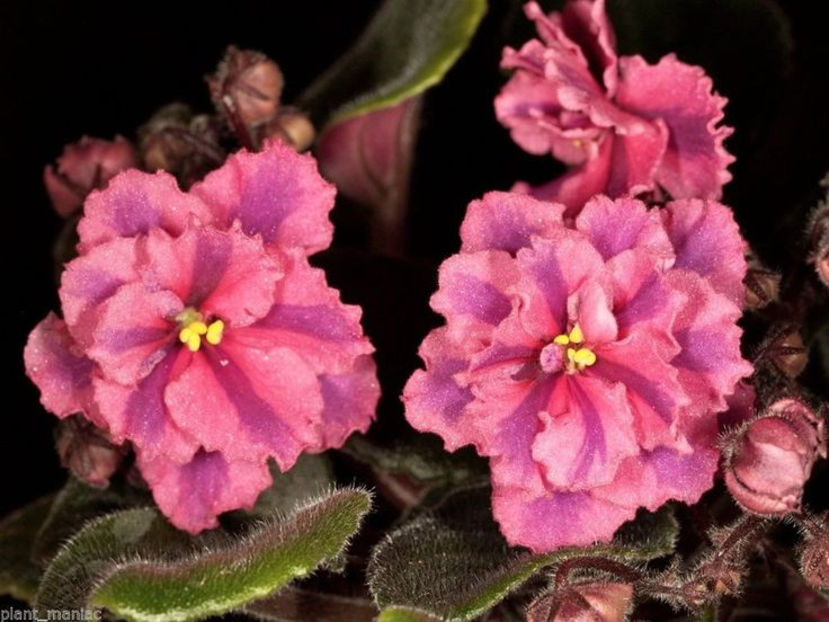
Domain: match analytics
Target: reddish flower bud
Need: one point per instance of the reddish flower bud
(83, 167)
(87, 451)
(586, 602)
(762, 284)
(768, 460)
(178, 142)
(814, 562)
(293, 127)
(784, 351)
(247, 84)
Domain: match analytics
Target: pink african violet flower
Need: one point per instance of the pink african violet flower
(195, 328)
(83, 167)
(588, 359)
(625, 126)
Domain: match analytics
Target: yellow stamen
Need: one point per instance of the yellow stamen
(576, 336)
(194, 342)
(191, 334)
(214, 332)
(571, 355)
(562, 340)
(584, 357)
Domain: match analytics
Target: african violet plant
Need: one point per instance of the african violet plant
(611, 420)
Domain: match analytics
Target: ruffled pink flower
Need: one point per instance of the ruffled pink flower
(588, 359)
(625, 126)
(195, 328)
(83, 167)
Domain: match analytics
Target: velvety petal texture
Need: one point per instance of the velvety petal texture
(626, 127)
(195, 329)
(588, 358)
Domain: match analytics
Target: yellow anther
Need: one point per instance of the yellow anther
(193, 342)
(191, 334)
(571, 354)
(198, 327)
(562, 340)
(214, 332)
(576, 336)
(584, 357)
(184, 335)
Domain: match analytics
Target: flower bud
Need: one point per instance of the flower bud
(85, 166)
(293, 127)
(178, 142)
(784, 351)
(87, 451)
(247, 84)
(814, 562)
(762, 284)
(586, 602)
(768, 460)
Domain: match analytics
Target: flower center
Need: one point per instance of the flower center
(567, 350)
(193, 328)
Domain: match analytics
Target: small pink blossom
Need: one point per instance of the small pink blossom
(587, 358)
(624, 125)
(85, 166)
(195, 328)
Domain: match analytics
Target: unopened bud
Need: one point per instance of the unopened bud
(293, 127)
(85, 166)
(784, 350)
(762, 284)
(87, 451)
(178, 142)
(769, 459)
(814, 562)
(594, 602)
(247, 84)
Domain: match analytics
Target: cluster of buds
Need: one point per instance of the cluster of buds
(769, 458)
(247, 89)
(597, 601)
(783, 352)
(85, 166)
(87, 452)
(179, 142)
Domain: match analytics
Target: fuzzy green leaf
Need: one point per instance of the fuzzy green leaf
(405, 614)
(293, 604)
(456, 565)
(137, 566)
(19, 574)
(407, 47)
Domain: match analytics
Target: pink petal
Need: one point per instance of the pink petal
(581, 447)
(139, 414)
(707, 240)
(259, 401)
(349, 402)
(223, 274)
(65, 197)
(308, 317)
(135, 203)
(91, 279)
(635, 160)
(616, 226)
(710, 363)
(193, 494)
(277, 193)
(694, 164)
(591, 307)
(507, 221)
(433, 399)
(587, 24)
(547, 522)
(58, 367)
(473, 292)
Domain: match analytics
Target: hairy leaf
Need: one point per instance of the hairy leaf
(19, 574)
(405, 614)
(455, 564)
(407, 47)
(140, 568)
(297, 605)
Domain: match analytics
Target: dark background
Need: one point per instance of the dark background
(72, 68)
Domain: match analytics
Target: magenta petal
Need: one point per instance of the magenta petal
(586, 23)
(695, 162)
(59, 368)
(545, 523)
(349, 402)
(636, 158)
(225, 274)
(582, 446)
(434, 400)
(507, 221)
(135, 203)
(193, 494)
(278, 194)
(707, 240)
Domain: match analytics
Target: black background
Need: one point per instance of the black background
(73, 68)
